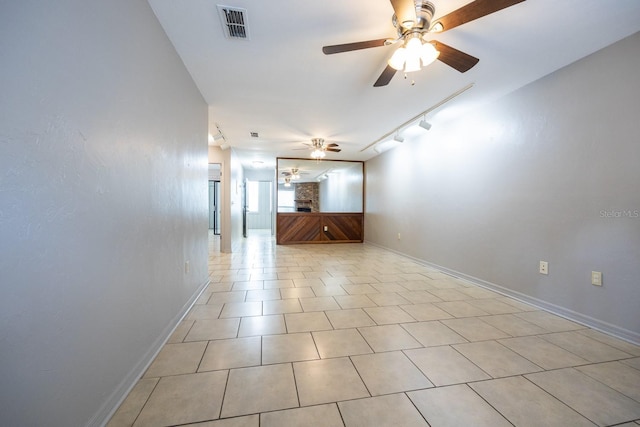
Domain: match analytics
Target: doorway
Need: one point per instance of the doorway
(259, 206)
(214, 198)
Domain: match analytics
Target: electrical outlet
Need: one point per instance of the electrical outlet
(187, 267)
(596, 278)
(399, 236)
(544, 267)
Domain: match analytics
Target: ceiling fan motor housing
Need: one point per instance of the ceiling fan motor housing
(424, 14)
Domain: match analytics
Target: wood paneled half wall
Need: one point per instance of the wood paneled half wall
(318, 227)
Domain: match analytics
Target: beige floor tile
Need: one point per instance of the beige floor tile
(434, 333)
(175, 359)
(517, 304)
(291, 275)
(419, 297)
(288, 348)
(383, 411)
(388, 299)
(132, 405)
(184, 399)
(526, 405)
(325, 415)
(514, 326)
(616, 375)
(474, 329)
(222, 297)
(328, 291)
(460, 309)
(263, 276)
(280, 283)
(311, 278)
(241, 309)
(543, 353)
(307, 322)
(354, 301)
(281, 306)
(328, 380)
(548, 321)
(319, 304)
(456, 405)
(388, 338)
(180, 332)
(209, 311)
(445, 366)
(353, 318)
(259, 389)
(213, 329)
(335, 281)
(493, 306)
(585, 347)
(248, 285)
(447, 284)
(479, 293)
(634, 363)
(248, 421)
(388, 287)
(388, 278)
(612, 341)
(496, 359)
(592, 399)
(417, 285)
(297, 292)
(359, 289)
(450, 294)
(388, 315)
(262, 325)
(425, 312)
(340, 343)
(263, 295)
(232, 353)
(390, 372)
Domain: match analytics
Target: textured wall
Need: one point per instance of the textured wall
(103, 198)
(540, 174)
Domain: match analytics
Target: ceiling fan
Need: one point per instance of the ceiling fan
(319, 148)
(412, 19)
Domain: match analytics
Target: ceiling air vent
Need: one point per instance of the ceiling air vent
(234, 22)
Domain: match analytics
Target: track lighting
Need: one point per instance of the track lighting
(398, 138)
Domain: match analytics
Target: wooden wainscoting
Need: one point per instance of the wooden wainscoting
(305, 227)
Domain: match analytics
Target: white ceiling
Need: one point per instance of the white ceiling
(281, 85)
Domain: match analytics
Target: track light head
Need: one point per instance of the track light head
(425, 124)
(398, 138)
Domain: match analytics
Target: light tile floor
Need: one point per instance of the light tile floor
(353, 335)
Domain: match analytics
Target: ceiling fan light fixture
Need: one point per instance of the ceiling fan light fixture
(437, 28)
(428, 54)
(397, 59)
(412, 64)
(318, 154)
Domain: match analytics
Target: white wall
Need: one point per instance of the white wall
(103, 197)
(529, 177)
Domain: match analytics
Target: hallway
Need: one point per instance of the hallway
(354, 335)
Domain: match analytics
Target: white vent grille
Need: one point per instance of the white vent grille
(234, 22)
